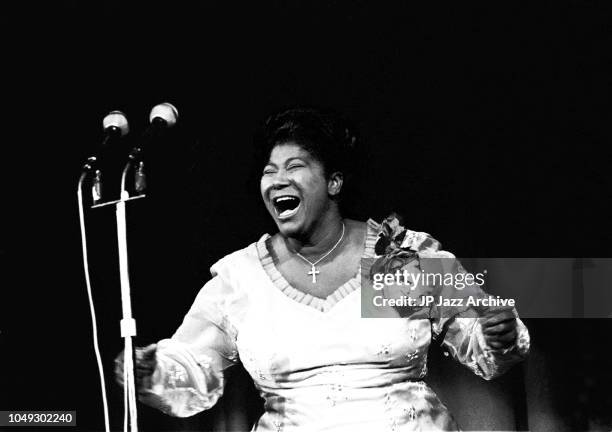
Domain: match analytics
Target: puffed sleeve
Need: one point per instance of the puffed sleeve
(460, 326)
(465, 342)
(189, 376)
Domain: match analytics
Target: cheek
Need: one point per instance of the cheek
(263, 186)
(316, 186)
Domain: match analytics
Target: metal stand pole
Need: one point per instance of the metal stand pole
(128, 324)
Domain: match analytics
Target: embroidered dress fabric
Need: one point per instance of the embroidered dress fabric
(317, 363)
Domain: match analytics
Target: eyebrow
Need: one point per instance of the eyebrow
(291, 159)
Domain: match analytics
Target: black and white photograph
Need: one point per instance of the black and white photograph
(296, 216)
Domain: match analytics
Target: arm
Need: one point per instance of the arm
(487, 341)
(189, 373)
(465, 341)
(489, 352)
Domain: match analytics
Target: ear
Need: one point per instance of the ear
(334, 184)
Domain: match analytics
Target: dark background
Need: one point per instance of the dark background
(487, 126)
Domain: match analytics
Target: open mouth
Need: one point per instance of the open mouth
(286, 206)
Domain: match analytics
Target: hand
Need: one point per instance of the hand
(499, 328)
(145, 364)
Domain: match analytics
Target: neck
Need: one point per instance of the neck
(320, 239)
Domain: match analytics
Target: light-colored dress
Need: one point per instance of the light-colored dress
(317, 363)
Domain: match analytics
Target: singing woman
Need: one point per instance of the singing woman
(288, 307)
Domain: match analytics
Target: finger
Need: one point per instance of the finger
(146, 353)
(498, 344)
(149, 349)
(145, 361)
(143, 383)
(146, 364)
(498, 319)
(509, 337)
(503, 337)
(119, 363)
(504, 340)
(119, 373)
(491, 310)
(119, 380)
(143, 374)
(500, 328)
(499, 315)
(145, 367)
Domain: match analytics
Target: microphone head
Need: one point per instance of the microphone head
(116, 120)
(165, 111)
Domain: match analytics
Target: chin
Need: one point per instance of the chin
(288, 228)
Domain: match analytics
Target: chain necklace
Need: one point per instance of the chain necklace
(313, 269)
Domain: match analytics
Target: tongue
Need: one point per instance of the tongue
(286, 212)
(286, 206)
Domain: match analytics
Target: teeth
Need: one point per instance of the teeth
(288, 213)
(283, 204)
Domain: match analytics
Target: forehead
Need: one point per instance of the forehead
(282, 152)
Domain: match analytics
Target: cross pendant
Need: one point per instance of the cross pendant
(314, 272)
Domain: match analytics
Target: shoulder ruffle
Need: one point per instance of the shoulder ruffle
(240, 259)
(394, 237)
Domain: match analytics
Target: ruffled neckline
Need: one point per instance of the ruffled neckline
(326, 304)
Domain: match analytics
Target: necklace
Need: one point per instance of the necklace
(313, 269)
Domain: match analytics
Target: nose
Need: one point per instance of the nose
(280, 179)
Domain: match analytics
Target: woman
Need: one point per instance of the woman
(288, 307)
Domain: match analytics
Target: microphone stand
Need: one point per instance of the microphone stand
(86, 169)
(134, 154)
(128, 324)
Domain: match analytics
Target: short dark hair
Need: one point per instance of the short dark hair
(325, 134)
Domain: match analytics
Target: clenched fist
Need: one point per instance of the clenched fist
(499, 328)
(145, 363)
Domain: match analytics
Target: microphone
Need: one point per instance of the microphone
(114, 125)
(162, 117)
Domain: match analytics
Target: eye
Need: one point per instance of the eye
(268, 171)
(295, 165)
